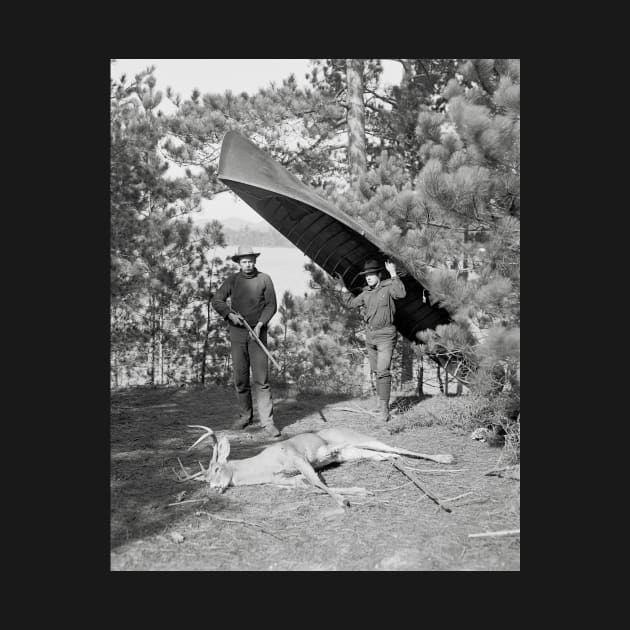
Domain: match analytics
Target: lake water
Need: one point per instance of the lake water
(285, 265)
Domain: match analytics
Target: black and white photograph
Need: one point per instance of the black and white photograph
(314, 333)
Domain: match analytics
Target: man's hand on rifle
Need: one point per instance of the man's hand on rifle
(236, 319)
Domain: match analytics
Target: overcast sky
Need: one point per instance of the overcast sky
(219, 75)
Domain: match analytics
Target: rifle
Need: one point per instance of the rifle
(257, 339)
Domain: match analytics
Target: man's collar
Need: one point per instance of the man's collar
(253, 274)
(381, 283)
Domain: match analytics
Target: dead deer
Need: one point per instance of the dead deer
(294, 462)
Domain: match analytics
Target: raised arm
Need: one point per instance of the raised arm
(396, 288)
(347, 298)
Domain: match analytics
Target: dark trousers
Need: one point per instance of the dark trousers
(247, 353)
(380, 348)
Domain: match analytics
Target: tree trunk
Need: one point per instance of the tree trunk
(408, 74)
(446, 380)
(161, 345)
(153, 327)
(357, 160)
(284, 354)
(421, 377)
(115, 356)
(204, 353)
(466, 263)
(406, 361)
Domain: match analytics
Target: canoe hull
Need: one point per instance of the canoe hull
(329, 237)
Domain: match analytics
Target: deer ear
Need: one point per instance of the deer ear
(222, 450)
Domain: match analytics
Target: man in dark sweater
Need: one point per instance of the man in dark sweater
(378, 302)
(253, 297)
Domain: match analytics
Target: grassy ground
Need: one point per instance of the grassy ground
(268, 528)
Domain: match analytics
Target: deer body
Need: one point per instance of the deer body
(294, 462)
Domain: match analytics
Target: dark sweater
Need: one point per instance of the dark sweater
(253, 297)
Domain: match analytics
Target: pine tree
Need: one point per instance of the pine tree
(357, 162)
(455, 223)
(151, 238)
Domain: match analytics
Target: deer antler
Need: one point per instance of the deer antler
(208, 433)
(186, 476)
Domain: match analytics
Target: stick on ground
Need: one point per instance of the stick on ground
(435, 470)
(355, 410)
(417, 483)
(187, 501)
(503, 532)
(459, 496)
(236, 520)
(496, 471)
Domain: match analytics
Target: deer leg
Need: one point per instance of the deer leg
(299, 481)
(378, 446)
(348, 437)
(353, 453)
(311, 476)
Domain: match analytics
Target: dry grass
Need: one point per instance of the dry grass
(269, 528)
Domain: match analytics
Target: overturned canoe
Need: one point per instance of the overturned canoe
(328, 236)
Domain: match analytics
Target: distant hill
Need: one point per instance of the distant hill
(234, 223)
(261, 237)
(240, 232)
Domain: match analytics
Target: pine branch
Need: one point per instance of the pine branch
(294, 157)
(380, 97)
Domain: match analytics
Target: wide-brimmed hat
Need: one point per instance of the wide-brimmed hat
(371, 266)
(244, 250)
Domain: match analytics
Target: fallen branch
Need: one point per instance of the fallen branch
(459, 496)
(355, 410)
(503, 532)
(392, 489)
(417, 483)
(496, 471)
(363, 410)
(236, 520)
(427, 470)
(187, 501)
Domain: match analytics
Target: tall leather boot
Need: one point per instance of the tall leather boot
(383, 411)
(383, 389)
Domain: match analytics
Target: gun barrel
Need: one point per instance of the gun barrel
(258, 340)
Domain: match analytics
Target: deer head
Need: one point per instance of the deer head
(219, 472)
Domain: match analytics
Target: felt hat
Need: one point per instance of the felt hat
(371, 266)
(244, 250)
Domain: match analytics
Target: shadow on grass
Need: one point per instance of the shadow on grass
(404, 403)
(149, 432)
